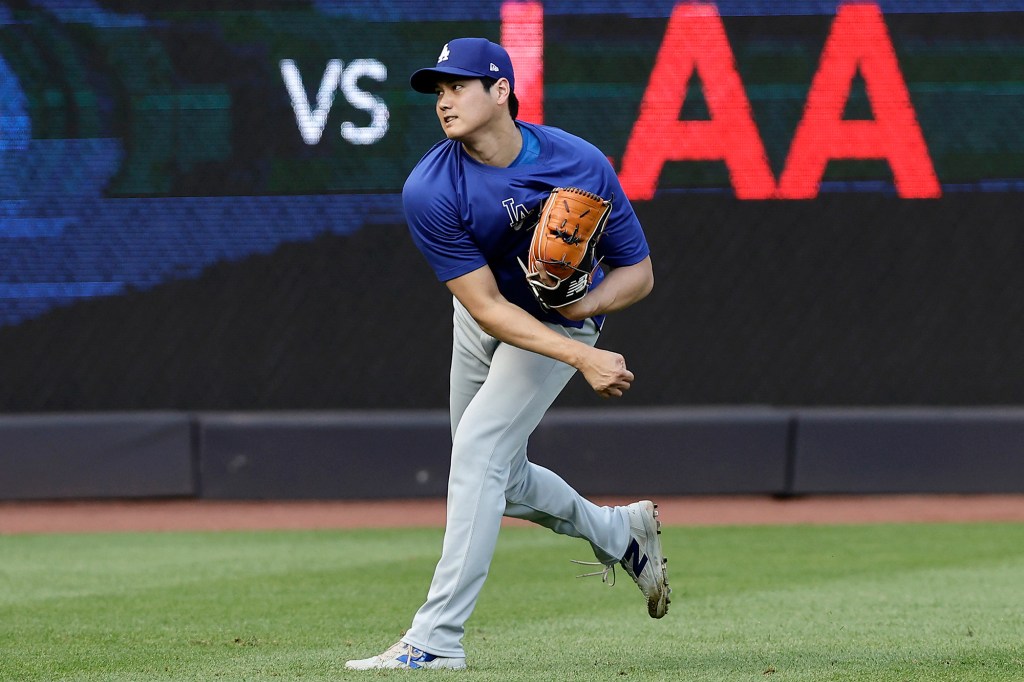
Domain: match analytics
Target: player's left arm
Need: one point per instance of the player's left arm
(621, 288)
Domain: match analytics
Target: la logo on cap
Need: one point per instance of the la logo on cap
(444, 54)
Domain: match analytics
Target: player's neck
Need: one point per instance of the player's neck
(498, 146)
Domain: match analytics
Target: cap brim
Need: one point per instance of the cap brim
(425, 80)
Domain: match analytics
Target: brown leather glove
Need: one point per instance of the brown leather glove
(562, 253)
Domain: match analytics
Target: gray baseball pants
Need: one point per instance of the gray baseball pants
(499, 393)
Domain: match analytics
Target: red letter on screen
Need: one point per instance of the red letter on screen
(695, 40)
(522, 35)
(859, 39)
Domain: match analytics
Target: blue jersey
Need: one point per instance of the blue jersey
(461, 212)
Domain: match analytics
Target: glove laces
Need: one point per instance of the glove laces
(605, 570)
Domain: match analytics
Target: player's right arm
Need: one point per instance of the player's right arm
(605, 371)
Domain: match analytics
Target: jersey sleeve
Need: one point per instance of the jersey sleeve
(433, 220)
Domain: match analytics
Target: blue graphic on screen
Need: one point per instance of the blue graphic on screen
(61, 240)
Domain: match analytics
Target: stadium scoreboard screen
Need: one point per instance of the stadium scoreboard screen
(143, 142)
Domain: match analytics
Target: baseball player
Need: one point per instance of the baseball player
(465, 203)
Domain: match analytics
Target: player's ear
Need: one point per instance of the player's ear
(503, 90)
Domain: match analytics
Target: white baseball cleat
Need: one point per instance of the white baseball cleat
(644, 560)
(403, 655)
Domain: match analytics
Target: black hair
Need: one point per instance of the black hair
(513, 101)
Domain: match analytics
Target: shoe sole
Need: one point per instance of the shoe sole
(657, 604)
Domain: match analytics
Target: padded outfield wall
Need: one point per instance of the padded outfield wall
(200, 207)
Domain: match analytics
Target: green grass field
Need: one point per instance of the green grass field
(810, 603)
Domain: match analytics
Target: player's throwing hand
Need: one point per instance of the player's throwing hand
(606, 373)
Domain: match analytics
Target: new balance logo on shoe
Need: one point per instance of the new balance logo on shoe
(415, 657)
(634, 555)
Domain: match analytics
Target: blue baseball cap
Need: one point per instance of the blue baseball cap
(468, 57)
